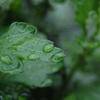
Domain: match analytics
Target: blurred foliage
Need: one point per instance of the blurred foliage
(74, 26)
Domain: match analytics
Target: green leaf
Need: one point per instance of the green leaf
(20, 43)
(87, 45)
(83, 8)
(91, 92)
(37, 73)
(92, 23)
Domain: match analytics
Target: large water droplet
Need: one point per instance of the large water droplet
(31, 29)
(57, 57)
(47, 82)
(21, 26)
(6, 60)
(48, 48)
(33, 57)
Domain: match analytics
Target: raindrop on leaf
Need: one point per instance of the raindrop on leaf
(33, 57)
(57, 57)
(48, 48)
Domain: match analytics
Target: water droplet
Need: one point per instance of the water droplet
(33, 57)
(31, 29)
(22, 26)
(48, 48)
(47, 82)
(6, 60)
(57, 57)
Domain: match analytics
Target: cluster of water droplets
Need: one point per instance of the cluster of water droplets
(57, 57)
(24, 28)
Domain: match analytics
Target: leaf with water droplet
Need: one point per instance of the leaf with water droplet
(20, 44)
(33, 57)
(48, 48)
(57, 57)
